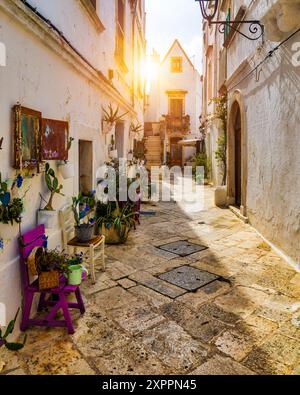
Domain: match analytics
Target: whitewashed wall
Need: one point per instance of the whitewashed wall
(46, 77)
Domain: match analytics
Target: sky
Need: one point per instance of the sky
(170, 19)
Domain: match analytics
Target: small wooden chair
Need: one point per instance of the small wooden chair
(94, 248)
(30, 240)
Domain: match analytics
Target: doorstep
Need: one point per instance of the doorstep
(238, 213)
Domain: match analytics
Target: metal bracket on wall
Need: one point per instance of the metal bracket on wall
(256, 29)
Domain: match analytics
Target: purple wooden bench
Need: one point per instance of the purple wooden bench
(30, 240)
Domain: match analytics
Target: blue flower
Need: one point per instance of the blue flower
(19, 181)
(45, 243)
(92, 221)
(87, 208)
(1, 244)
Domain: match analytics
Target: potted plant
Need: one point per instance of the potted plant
(50, 265)
(136, 128)
(9, 330)
(83, 207)
(110, 118)
(47, 215)
(11, 208)
(114, 222)
(67, 169)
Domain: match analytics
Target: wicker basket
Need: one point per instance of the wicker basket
(32, 260)
(48, 280)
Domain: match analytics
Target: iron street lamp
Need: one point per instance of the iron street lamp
(209, 9)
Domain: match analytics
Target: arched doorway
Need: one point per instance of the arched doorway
(237, 155)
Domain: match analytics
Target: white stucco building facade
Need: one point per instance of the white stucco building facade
(174, 101)
(68, 60)
(261, 79)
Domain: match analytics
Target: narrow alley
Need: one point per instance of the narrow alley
(242, 321)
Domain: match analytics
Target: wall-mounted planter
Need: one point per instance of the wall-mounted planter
(67, 170)
(107, 127)
(48, 218)
(8, 231)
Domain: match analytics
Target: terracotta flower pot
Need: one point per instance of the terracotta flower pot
(114, 235)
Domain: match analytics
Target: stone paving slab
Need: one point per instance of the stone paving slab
(172, 345)
(188, 278)
(182, 248)
(149, 295)
(219, 366)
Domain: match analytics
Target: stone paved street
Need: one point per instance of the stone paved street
(243, 322)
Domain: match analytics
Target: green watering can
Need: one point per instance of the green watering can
(75, 274)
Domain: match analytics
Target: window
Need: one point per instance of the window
(94, 4)
(176, 107)
(120, 39)
(176, 65)
(91, 7)
(227, 27)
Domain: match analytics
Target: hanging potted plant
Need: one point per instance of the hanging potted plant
(47, 215)
(67, 169)
(11, 208)
(110, 118)
(83, 208)
(135, 128)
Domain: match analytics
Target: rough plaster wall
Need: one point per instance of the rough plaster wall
(272, 128)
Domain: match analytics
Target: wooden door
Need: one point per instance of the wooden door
(175, 152)
(238, 160)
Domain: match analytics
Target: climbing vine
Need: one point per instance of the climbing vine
(221, 114)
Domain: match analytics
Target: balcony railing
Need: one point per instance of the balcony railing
(178, 124)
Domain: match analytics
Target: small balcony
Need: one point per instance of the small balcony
(178, 124)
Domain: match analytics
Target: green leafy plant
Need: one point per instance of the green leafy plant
(111, 215)
(82, 207)
(202, 160)
(9, 330)
(51, 260)
(221, 113)
(136, 128)
(111, 116)
(53, 186)
(11, 209)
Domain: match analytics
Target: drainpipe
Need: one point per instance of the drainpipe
(134, 8)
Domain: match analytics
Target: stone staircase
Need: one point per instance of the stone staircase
(153, 151)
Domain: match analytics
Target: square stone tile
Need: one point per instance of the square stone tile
(57, 358)
(198, 325)
(174, 347)
(126, 283)
(132, 359)
(204, 294)
(155, 299)
(136, 318)
(182, 248)
(112, 298)
(219, 366)
(188, 277)
(235, 344)
(213, 311)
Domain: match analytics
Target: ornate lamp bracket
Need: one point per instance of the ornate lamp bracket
(209, 9)
(255, 28)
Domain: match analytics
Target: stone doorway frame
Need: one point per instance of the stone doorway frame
(237, 102)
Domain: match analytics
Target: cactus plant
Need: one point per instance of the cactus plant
(53, 186)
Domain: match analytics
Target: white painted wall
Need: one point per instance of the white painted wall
(48, 77)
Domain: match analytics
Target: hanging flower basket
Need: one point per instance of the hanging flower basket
(49, 280)
(67, 170)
